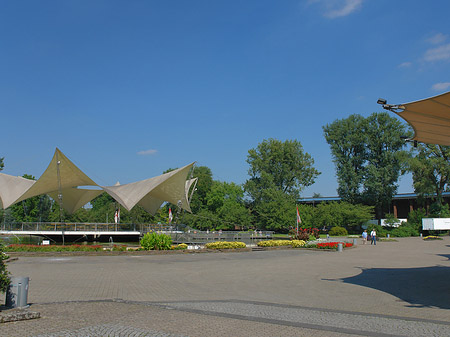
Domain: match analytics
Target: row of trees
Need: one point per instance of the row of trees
(369, 157)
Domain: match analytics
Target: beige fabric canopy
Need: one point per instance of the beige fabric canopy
(51, 180)
(151, 193)
(430, 118)
(75, 198)
(63, 176)
(11, 188)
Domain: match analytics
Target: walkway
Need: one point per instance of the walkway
(392, 289)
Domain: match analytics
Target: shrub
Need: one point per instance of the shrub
(155, 241)
(4, 274)
(304, 233)
(338, 231)
(381, 231)
(181, 246)
(225, 245)
(404, 231)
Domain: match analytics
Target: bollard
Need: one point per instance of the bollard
(355, 241)
(339, 247)
(17, 293)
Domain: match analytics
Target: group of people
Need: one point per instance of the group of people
(373, 237)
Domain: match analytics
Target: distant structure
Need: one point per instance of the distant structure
(400, 206)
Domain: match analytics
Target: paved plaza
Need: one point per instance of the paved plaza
(391, 289)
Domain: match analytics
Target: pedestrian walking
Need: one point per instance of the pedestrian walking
(373, 235)
(364, 236)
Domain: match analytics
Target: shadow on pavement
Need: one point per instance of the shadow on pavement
(447, 256)
(422, 287)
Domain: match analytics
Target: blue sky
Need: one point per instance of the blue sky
(127, 89)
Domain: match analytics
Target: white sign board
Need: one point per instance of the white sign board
(45, 242)
(435, 224)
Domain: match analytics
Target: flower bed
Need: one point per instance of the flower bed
(225, 245)
(274, 243)
(278, 243)
(432, 237)
(332, 245)
(181, 246)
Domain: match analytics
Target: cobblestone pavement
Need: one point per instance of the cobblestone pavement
(392, 289)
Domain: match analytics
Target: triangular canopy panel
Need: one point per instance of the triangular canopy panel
(12, 188)
(75, 198)
(430, 119)
(170, 187)
(51, 180)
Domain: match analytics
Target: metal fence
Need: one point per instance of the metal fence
(179, 234)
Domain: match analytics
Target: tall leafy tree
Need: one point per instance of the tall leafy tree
(278, 173)
(348, 146)
(430, 166)
(204, 185)
(284, 166)
(386, 159)
(2, 164)
(369, 158)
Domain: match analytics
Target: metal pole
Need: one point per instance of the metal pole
(60, 197)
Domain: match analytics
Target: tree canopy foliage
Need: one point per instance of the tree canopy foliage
(369, 158)
(278, 172)
(430, 167)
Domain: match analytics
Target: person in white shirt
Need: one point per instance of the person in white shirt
(373, 236)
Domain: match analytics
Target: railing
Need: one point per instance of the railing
(181, 233)
(75, 227)
(202, 237)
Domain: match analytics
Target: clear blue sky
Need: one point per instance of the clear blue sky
(128, 89)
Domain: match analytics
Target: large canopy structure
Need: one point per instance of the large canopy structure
(62, 179)
(151, 193)
(430, 118)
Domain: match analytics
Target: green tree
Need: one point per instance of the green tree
(34, 209)
(369, 158)
(278, 173)
(276, 211)
(204, 185)
(280, 165)
(430, 167)
(342, 214)
(2, 164)
(103, 209)
(226, 201)
(348, 147)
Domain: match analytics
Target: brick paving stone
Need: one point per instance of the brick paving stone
(243, 294)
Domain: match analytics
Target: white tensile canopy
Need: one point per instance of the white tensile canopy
(64, 177)
(151, 193)
(75, 198)
(12, 188)
(430, 118)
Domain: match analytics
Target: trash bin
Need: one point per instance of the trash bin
(355, 242)
(17, 293)
(339, 247)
